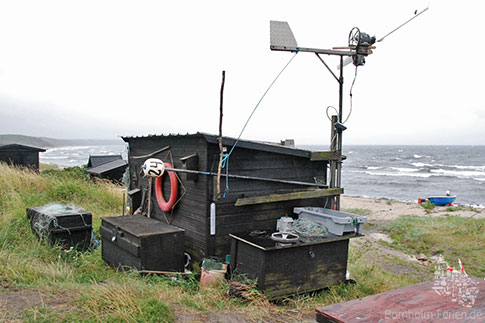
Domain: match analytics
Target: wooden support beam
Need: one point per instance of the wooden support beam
(323, 155)
(308, 194)
(333, 163)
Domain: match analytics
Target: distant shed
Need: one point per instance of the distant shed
(249, 205)
(111, 167)
(20, 155)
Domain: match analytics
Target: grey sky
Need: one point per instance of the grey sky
(101, 69)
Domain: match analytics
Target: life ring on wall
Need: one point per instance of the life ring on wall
(165, 205)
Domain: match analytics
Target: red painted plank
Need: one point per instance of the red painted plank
(450, 299)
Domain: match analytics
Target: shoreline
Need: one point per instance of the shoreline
(384, 209)
(415, 201)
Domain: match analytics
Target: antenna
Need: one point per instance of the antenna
(355, 36)
(402, 25)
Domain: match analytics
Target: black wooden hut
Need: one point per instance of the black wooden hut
(111, 167)
(20, 155)
(249, 204)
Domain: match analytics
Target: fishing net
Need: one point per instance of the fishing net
(212, 264)
(44, 218)
(309, 230)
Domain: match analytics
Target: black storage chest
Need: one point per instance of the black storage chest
(285, 269)
(66, 225)
(142, 243)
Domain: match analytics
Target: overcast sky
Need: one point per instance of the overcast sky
(103, 69)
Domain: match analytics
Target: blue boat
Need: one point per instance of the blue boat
(441, 200)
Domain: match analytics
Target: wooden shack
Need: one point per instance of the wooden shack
(249, 204)
(111, 167)
(20, 155)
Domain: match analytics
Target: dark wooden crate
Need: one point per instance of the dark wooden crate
(68, 229)
(142, 243)
(77, 237)
(282, 270)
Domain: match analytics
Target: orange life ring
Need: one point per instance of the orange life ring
(167, 206)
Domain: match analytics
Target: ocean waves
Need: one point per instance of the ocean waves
(409, 172)
(425, 171)
(78, 155)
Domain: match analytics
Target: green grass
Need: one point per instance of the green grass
(91, 291)
(454, 208)
(452, 236)
(100, 294)
(428, 206)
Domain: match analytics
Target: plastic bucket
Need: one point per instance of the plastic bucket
(211, 277)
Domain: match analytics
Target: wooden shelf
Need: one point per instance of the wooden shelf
(307, 194)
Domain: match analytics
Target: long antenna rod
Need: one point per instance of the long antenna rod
(403, 24)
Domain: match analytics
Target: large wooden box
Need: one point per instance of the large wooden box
(287, 269)
(65, 225)
(142, 243)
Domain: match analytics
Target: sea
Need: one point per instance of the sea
(403, 173)
(411, 172)
(71, 156)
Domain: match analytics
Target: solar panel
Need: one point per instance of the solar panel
(281, 35)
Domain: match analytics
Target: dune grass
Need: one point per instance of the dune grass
(91, 291)
(451, 236)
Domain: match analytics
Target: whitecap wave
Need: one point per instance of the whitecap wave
(478, 168)
(420, 165)
(459, 174)
(465, 167)
(69, 148)
(405, 169)
(400, 174)
(53, 157)
(373, 167)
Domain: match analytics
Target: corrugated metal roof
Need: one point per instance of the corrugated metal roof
(228, 141)
(114, 164)
(21, 147)
(97, 160)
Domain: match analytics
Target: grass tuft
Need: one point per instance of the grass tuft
(428, 206)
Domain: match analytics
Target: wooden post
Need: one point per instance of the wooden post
(221, 148)
(124, 203)
(333, 163)
(150, 179)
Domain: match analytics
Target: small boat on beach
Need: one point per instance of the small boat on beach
(442, 200)
(437, 200)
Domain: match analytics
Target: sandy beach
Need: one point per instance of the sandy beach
(383, 210)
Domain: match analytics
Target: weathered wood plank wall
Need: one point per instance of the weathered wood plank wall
(238, 219)
(192, 212)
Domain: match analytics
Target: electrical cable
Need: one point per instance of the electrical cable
(261, 99)
(328, 108)
(225, 159)
(350, 94)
